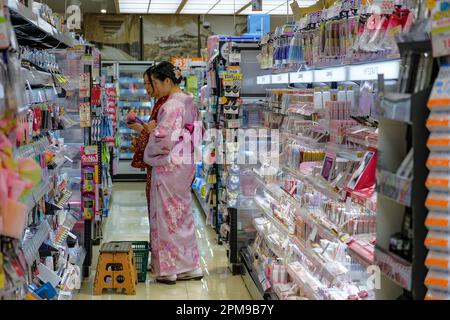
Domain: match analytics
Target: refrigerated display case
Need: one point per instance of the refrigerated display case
(132, 97)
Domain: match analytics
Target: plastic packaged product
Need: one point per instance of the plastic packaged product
(439, 241)
(438, 280)
(438, 221)
(438, 261)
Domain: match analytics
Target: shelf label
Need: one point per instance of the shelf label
(330, 75)
(263, 80)
(390, 70)
(301, 77)
(280, 78)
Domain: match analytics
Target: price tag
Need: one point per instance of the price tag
(235, 58)
(382, 6)
(280, 78)
(330, 75)
(263, 80)
(301, 77)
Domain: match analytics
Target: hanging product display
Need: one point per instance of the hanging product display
(43, 238)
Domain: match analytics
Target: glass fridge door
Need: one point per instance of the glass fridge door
(132, 97)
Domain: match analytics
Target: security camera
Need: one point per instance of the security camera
(206, 25)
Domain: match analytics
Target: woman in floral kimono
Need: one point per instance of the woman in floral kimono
(144, 131)
(170, 152)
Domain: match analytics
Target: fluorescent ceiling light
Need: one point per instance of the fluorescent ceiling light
(226, 7)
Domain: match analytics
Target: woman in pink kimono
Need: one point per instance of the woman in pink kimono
(170, 152)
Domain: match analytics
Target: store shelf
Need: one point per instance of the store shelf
(319, 262)
(277, 251)
(394, 187)
(33, 30)
(132, 93)
(277, 193)
(310, 293)
(313, 181)
(394, 267)
(340, 73)
(128, 80)
(34, 149)
(36, 194)
(396, 107)
(203, 204)
(31, 246)
(138, 104)
(250, 278)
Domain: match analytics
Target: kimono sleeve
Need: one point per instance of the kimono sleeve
(165, 136)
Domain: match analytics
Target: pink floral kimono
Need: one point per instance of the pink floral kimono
(170, 154)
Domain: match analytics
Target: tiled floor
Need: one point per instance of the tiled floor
(128, 222)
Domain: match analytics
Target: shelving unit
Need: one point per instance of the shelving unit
(33, 30)
(132, 97)
(56, 199)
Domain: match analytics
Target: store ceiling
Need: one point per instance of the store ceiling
(243, 7)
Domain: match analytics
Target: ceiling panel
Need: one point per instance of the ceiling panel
(164, 6)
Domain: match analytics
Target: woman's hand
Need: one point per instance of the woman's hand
(136, 127)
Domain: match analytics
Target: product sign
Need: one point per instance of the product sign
(89, 155)
(85, 114)
(440, 27)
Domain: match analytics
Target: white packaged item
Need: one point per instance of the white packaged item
(47, 275)
(326, 97)
(341, 95)
(318, 101)
(350, 97)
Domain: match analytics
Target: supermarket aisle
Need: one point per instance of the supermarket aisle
(128, 221)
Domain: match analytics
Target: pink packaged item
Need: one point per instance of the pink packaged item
(279, 274)
(13, 218)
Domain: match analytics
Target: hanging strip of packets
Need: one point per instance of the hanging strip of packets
(40, 118)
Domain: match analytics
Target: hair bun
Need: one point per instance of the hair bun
(178, 75)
